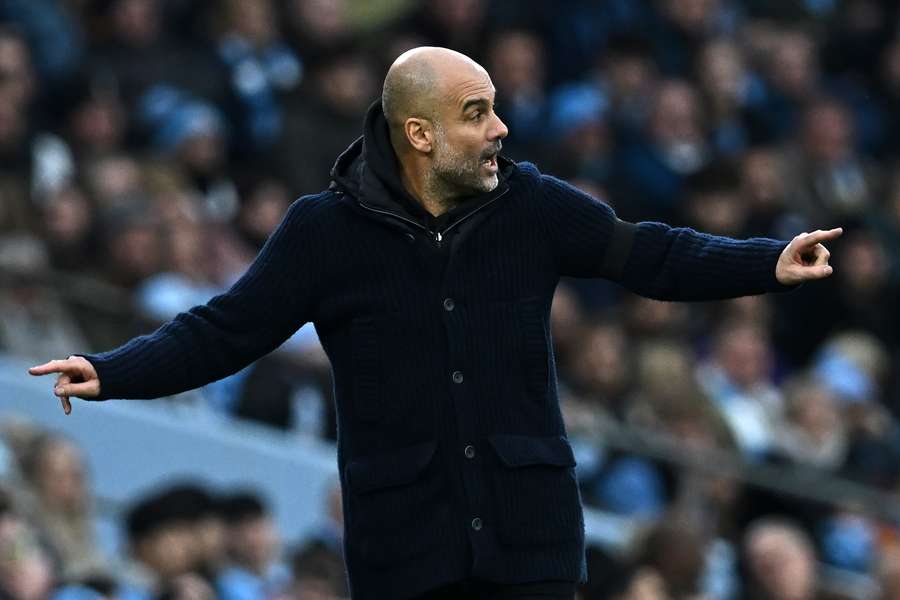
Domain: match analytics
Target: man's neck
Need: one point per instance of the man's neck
(423, 191)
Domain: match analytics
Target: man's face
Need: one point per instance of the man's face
(468, 136)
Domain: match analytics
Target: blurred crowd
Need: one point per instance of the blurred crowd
(148, 148)
(183, 540)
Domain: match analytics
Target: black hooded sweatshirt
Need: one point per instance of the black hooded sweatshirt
(452, 453)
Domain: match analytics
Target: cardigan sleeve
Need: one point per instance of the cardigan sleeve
(271, 300)
(653, 259)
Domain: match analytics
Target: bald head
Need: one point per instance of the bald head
(439, 105)
(418, 82)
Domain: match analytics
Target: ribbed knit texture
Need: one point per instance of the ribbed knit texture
(418, 379)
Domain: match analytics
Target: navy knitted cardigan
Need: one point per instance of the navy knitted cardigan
(453, 456)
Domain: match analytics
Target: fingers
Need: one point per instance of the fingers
(88, 389)
(821, 255)
(54, 366)
(64, 400)
(816, 237)
(812, 272)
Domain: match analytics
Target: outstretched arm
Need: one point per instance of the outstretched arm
(672, 263)
(261, 310)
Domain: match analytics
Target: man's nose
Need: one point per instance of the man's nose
(499, 131)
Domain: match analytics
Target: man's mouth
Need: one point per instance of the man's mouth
(489, 160)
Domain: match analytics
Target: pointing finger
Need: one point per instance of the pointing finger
(54, 366)
(819, 236)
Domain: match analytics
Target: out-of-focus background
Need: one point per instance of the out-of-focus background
(742, 450)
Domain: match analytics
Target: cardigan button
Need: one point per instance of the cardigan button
(477, 524)
(449, 304)
(469, 451)
(457, 377)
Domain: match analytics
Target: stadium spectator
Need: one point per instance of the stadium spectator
(737, 377)
(26, 571)
(252, 543)
(59, 504)
(518, 59)
(339, 88)
(262, 70)
(780, 562)
(162, 544)
(33, 318)
(813, 432)
(673, 146)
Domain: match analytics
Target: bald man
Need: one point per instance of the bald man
(428, 268)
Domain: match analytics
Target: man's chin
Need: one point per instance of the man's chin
(489, 184)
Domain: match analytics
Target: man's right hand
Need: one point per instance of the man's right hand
(77, 377)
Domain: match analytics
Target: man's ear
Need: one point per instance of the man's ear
(419, 133)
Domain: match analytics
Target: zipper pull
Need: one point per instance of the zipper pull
(437, 238)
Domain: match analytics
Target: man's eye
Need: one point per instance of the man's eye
(477, 116)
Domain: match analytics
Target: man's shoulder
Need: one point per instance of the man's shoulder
(523, 172)
(524, 179)
(311, 208)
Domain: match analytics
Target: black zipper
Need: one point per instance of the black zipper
(438, 236)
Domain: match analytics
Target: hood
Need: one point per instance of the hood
(369, 171)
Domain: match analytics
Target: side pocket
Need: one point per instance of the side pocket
(536, 491)
(368, 392)
(535, 355)
(399, 506)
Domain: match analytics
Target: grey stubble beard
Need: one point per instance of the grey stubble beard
(449, 178)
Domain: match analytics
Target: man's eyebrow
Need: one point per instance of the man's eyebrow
(483, 102)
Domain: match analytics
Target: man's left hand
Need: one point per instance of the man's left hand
(805, 258)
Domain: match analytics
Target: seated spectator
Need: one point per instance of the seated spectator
(60, 503)
(517, 57)
(780, 562)
(67, 224)
(336, 94)
(601, 381)
(32, 161)
(713, 203)
(202, 509)
(674, 550)
(93, 117)
(813, 432)
(262, 69)
(33, 318)
(264, 202)
(764, 194)
(824, 172)
(729, 89)
(162, 544)
(317, 28)
(651, 170)
(193, 134)
(318, 574)
(26, 571)
(252, 542)
(737, 377)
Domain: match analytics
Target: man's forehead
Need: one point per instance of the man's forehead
(474, 86)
